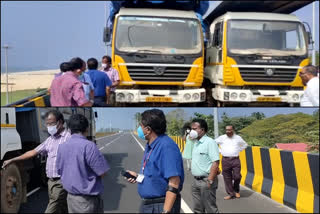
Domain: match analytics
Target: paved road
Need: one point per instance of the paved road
(123, 151)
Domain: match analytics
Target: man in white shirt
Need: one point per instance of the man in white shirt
(309, 77)
(230, 146)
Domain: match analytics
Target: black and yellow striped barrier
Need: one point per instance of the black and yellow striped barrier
(290, 178)
(179, 141)
(41, 99)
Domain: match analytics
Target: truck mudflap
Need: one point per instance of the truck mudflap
(160, 96)
(247, 96)
(41, 99)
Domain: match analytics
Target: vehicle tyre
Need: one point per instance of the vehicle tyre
(11, 189)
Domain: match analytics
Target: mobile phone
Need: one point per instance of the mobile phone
(127, 175)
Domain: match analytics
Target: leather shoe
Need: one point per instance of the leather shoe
(237, 195)
(228, 197)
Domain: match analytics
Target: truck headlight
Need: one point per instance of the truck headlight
(120, 97)
(187, 96)
(243, 96)
(234, 96)
(130, 97)
(195, 96)
(295, 97)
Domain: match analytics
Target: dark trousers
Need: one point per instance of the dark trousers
(204, 198)
(158, 207)
(100, 102)
(231, 174)
(57, 197)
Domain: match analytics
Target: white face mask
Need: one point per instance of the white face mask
(103, 65)
(193, 135)
(52, 130)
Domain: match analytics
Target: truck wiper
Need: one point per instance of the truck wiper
(144, 51)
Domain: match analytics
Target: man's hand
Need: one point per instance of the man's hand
(7, 162)
(131, 180)
(209, 183)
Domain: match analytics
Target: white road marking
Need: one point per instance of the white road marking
(184, 206)
(108, 144)
(137, 142)
(33, 191)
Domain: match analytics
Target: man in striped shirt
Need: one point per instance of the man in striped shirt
(58, 135)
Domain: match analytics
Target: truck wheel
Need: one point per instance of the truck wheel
(11, 189)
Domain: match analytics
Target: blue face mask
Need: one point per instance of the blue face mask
(140, 133)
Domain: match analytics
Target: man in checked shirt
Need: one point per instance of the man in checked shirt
(58, 135)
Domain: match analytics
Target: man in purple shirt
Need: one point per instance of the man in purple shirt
(113, 75)
(67, 90)
(81, 166)
(58, 136)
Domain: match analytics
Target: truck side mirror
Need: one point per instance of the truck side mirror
(309, 38)
(107, 34)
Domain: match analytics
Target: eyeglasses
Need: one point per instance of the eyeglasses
(52, 124)
(302, 73)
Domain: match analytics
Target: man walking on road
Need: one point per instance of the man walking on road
(161, 176)
(58, 136)
(230, 146)
(81, 166)
(309, 77)
(204, 168)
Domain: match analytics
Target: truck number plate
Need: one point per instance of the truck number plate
(159, 99)
(269, 99)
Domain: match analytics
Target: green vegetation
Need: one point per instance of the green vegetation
(256, 129)
(317, 58)
(18, 95)
(292, 128)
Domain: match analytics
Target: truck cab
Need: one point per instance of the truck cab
(256, 58)
(159, 54)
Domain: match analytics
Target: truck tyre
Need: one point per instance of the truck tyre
(11, 189)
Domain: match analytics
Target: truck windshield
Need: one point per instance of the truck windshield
(158, 35)
(276, 38)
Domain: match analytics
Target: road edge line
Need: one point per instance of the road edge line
(33, 191)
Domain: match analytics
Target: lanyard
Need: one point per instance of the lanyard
(145, 161)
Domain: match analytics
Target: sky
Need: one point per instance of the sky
(43, 34)
(123, 118)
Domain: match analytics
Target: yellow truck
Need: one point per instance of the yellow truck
(256, 58)
(159, 54)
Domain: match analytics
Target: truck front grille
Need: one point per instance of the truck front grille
(283, 75)
(158, 74)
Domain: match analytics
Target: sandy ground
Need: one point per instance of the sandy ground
(28, 80)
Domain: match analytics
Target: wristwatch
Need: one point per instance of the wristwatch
(165, 211)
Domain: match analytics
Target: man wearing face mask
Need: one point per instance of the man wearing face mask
(230, 146)
(58, 135)
(67, 90)
(187, 152)
(81, 166)
(204, 168)
(113, 75)
(161, 177)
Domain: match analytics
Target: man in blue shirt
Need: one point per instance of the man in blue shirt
(101, 83)
(81, 166)
(161, 176)
(204, 168)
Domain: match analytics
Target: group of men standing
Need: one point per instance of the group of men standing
(75, 167)
(75, 87)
